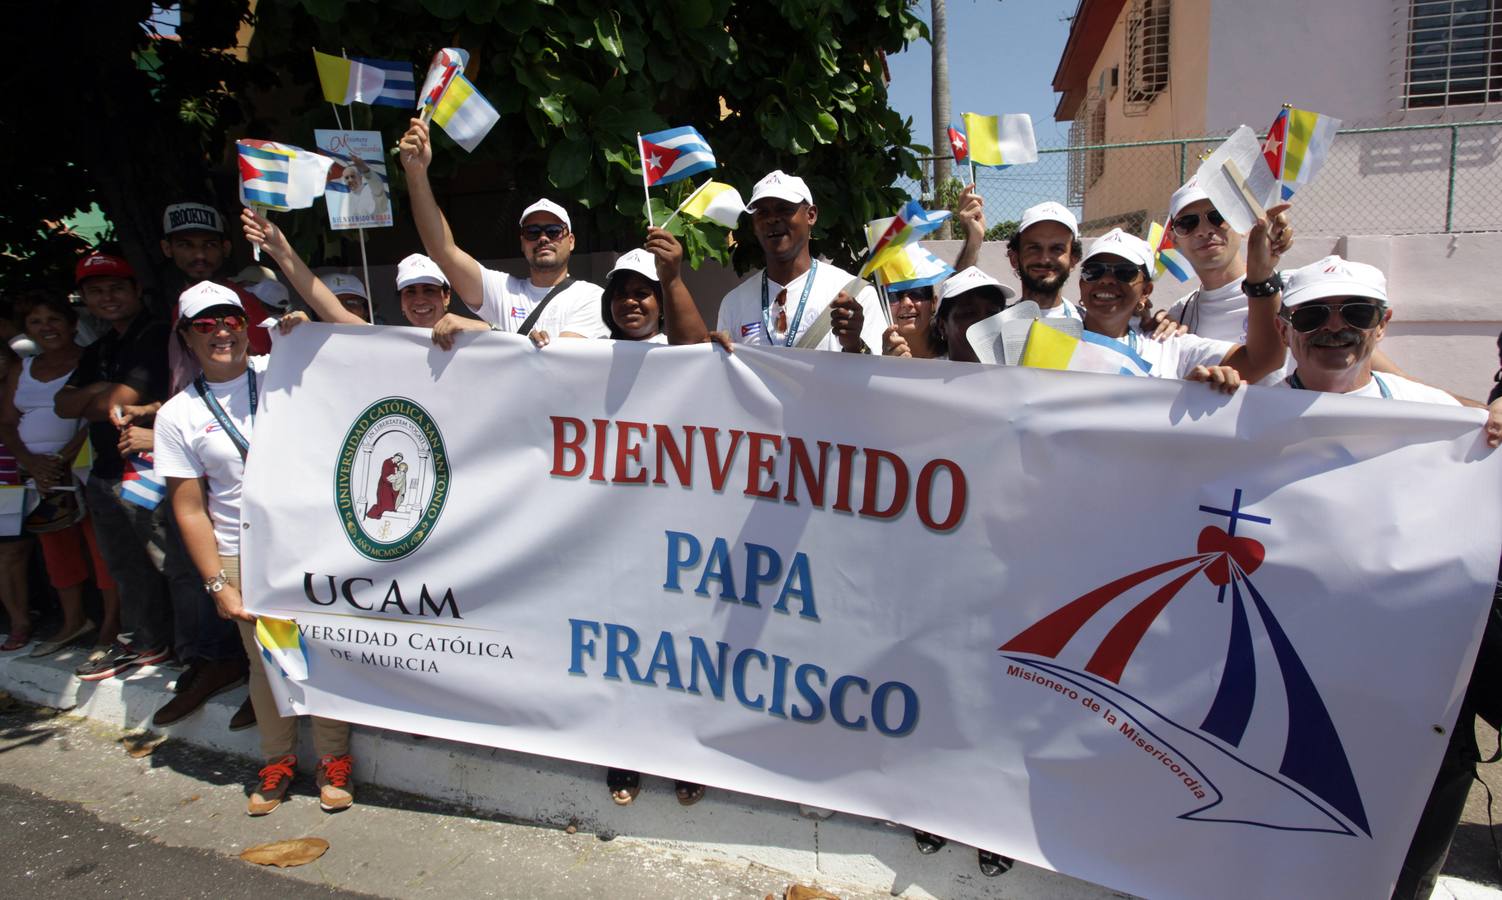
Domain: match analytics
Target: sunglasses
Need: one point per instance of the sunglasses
(1186, 223)
(914, 294)
(1309, 316)
(211, 324)
(554, 232)
(1126, 273)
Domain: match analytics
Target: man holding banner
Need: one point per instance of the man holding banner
(548, 299)
(824, 316)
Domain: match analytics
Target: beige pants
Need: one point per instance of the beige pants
(278, 732)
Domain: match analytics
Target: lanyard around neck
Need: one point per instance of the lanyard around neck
(201, 384)
(766, 306)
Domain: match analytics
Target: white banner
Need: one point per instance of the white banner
(1128, 629)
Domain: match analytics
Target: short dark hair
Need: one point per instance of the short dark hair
(35, 298)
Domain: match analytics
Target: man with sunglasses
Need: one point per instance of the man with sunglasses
(790, 302)
(507, 303)
(1334, 314)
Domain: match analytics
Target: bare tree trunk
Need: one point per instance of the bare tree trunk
(938, 32)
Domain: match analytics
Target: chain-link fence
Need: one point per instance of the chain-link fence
(1412, 179)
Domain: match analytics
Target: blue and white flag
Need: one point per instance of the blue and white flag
(280, 176)
(667, 156)
(400, 88)
(140, 484)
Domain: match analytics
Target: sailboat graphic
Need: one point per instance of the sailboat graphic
(1314, 770)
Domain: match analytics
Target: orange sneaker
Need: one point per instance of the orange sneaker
(276, 778)
(335, 792)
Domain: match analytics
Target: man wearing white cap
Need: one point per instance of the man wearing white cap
(797, 301)
(1218, 307)
(1335, 312)
(1115, 286)
(547, 299)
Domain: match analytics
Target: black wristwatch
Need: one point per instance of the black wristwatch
(1263, 288)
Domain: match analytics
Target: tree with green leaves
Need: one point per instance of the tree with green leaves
(791, 84)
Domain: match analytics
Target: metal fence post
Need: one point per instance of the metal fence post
(1183, 161)
(1450, 188)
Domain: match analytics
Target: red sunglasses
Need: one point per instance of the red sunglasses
(211, 324)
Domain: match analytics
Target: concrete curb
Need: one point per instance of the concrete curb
(843, 851)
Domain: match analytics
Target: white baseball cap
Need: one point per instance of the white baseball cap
(783, 186)
(1190, 192)
(271, 293)
(203, 296)
(547, 206)
(1049, 211)
(340, 283)
(639, 261)
(1127, 246)
(191, 217)
(1334, 277)
(969, 279)
(418, 269)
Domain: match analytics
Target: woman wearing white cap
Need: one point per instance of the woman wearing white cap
(202, 440)
(1116, 282)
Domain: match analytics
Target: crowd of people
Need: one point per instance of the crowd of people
(132, 429)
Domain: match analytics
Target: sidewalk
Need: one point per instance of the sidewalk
(435, 816)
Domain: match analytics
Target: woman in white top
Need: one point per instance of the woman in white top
(45, 447)
(202, 440)
(1116, 282)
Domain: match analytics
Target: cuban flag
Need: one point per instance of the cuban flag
(667, 156)
(140, 484)
(280, 176)
(959, 143)
(446, 63)
(400, 87)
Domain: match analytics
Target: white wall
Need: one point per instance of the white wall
(1337, 57)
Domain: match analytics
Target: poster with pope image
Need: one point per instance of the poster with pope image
(357, 194)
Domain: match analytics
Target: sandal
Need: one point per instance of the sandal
(15, 642)
(688, 792)
(624, 785)
(993, 864)
(928, 844)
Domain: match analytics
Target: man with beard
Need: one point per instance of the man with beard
(1043, 252)
(789, 302)
(193, 238)
(547, 300)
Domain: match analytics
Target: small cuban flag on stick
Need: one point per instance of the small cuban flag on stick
(671, 155)
(280, 176)
(910, 224)
(447, 63)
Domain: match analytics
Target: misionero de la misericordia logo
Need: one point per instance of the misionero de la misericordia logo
(392, 479)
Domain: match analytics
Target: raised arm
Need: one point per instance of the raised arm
(261, 233)
(684, 324)
(461, 269)
(1263, 352)
(972, 218)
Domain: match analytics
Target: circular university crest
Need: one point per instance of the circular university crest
(391, 480)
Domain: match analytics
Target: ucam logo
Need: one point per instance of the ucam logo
(392, 479)
(1309, 786)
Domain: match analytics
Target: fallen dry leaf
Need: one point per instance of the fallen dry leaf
(140, 746)
(807, 892)
(282, 854)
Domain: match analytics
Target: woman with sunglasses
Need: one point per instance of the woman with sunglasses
(202, 440)
(1116, 282)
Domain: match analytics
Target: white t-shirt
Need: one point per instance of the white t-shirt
(1064, 310)
(1177, 356)
(508, 301)
(1398, 388)
(190, 444)
(1219, 313)
(740, 311)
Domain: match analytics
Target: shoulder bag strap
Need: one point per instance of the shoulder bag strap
(560, 287)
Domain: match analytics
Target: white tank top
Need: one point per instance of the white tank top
(41, 429)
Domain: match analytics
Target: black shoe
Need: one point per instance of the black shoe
(184, 682)
(928, 844)
(244, 717)
(215, 676)
(993, 864)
